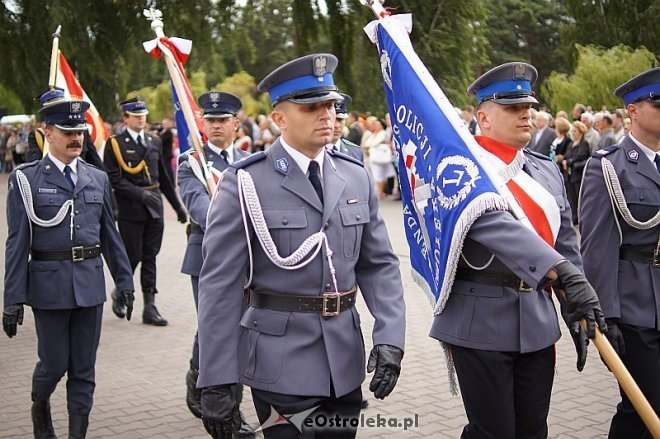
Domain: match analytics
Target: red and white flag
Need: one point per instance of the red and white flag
(67, 80)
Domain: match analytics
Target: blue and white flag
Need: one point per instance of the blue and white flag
(445, 184)
(182, 130)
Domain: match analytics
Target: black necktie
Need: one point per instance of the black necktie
(657, 162)
(67, 174)
(139, 141)
(315, 179)
(224, 156)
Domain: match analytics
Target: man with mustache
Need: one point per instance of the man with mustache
(59, 214)
(294, 336)
(499, 324)
(220, 125)
(134, 162)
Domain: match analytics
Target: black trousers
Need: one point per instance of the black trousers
(67, 341)
(506, 394)
(324, 411)
(194, 362)
(142, 240)
(642, 359)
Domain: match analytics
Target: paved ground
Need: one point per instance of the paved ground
(141, 369)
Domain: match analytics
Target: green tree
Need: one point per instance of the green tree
(608, 23)
(597, 73)
(519, 30)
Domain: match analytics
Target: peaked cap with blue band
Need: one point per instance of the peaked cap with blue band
(65, 115)
(134, 107)
(506, 84)
(304, 80)
(644, 86)
(217, 104)
(51, 96)
(341, 107)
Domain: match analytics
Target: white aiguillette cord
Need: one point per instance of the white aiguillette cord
(26, 194)
(248, 197)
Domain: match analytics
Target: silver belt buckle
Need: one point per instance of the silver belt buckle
(524, 288)
(327, 302)
(77, 254)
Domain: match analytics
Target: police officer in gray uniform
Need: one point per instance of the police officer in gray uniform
(619, 226)
(339, 143)
(135, 165)
(299, 344)
(220, 125)
(59, 213)
(499, 323)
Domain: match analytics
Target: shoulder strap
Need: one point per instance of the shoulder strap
(40, 140)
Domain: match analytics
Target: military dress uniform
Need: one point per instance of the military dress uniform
(299, 343)
(136, 169)
(621, 251)
(55, 266)
(196, 199)
(499, 323)
(344, 145)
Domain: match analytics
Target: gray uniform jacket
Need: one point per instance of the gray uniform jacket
(197, 201)
(351, 149)
(497, 318)
(284, 352)
(629, 291)
(62, 284)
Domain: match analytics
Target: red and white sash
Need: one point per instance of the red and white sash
(539, 205)
(195, 164)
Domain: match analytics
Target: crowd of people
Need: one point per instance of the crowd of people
(278, 256)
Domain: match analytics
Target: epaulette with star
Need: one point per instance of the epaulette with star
(247, 161)
(538, 155)
(341, 155)
(604, 151)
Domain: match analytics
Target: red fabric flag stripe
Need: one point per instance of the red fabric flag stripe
(534, 212)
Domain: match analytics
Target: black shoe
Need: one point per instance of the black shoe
(245, 431)
(364, 404)
(151, 316)
(193, 394)
(42, 422)
(118, 305)
(78, 426)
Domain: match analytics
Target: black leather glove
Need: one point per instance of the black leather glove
(220, 411)
(11, 316)
(581, 299)
(127, 298)
(182, 215)
(151, 199)
(615, 337)
(386, 361)
(579, 336)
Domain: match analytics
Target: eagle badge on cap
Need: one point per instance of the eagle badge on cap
(214, 96)
(320, 65)
(76, 106)
(519, 71)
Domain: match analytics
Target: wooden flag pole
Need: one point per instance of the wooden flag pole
(157, 26)
(627, 382)
(54, 58)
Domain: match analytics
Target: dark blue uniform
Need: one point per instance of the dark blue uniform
(66, 296)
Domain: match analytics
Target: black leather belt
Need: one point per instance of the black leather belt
(75, 254)
(329, 304)
(643, 256)
(494, 278)
(194, 229)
